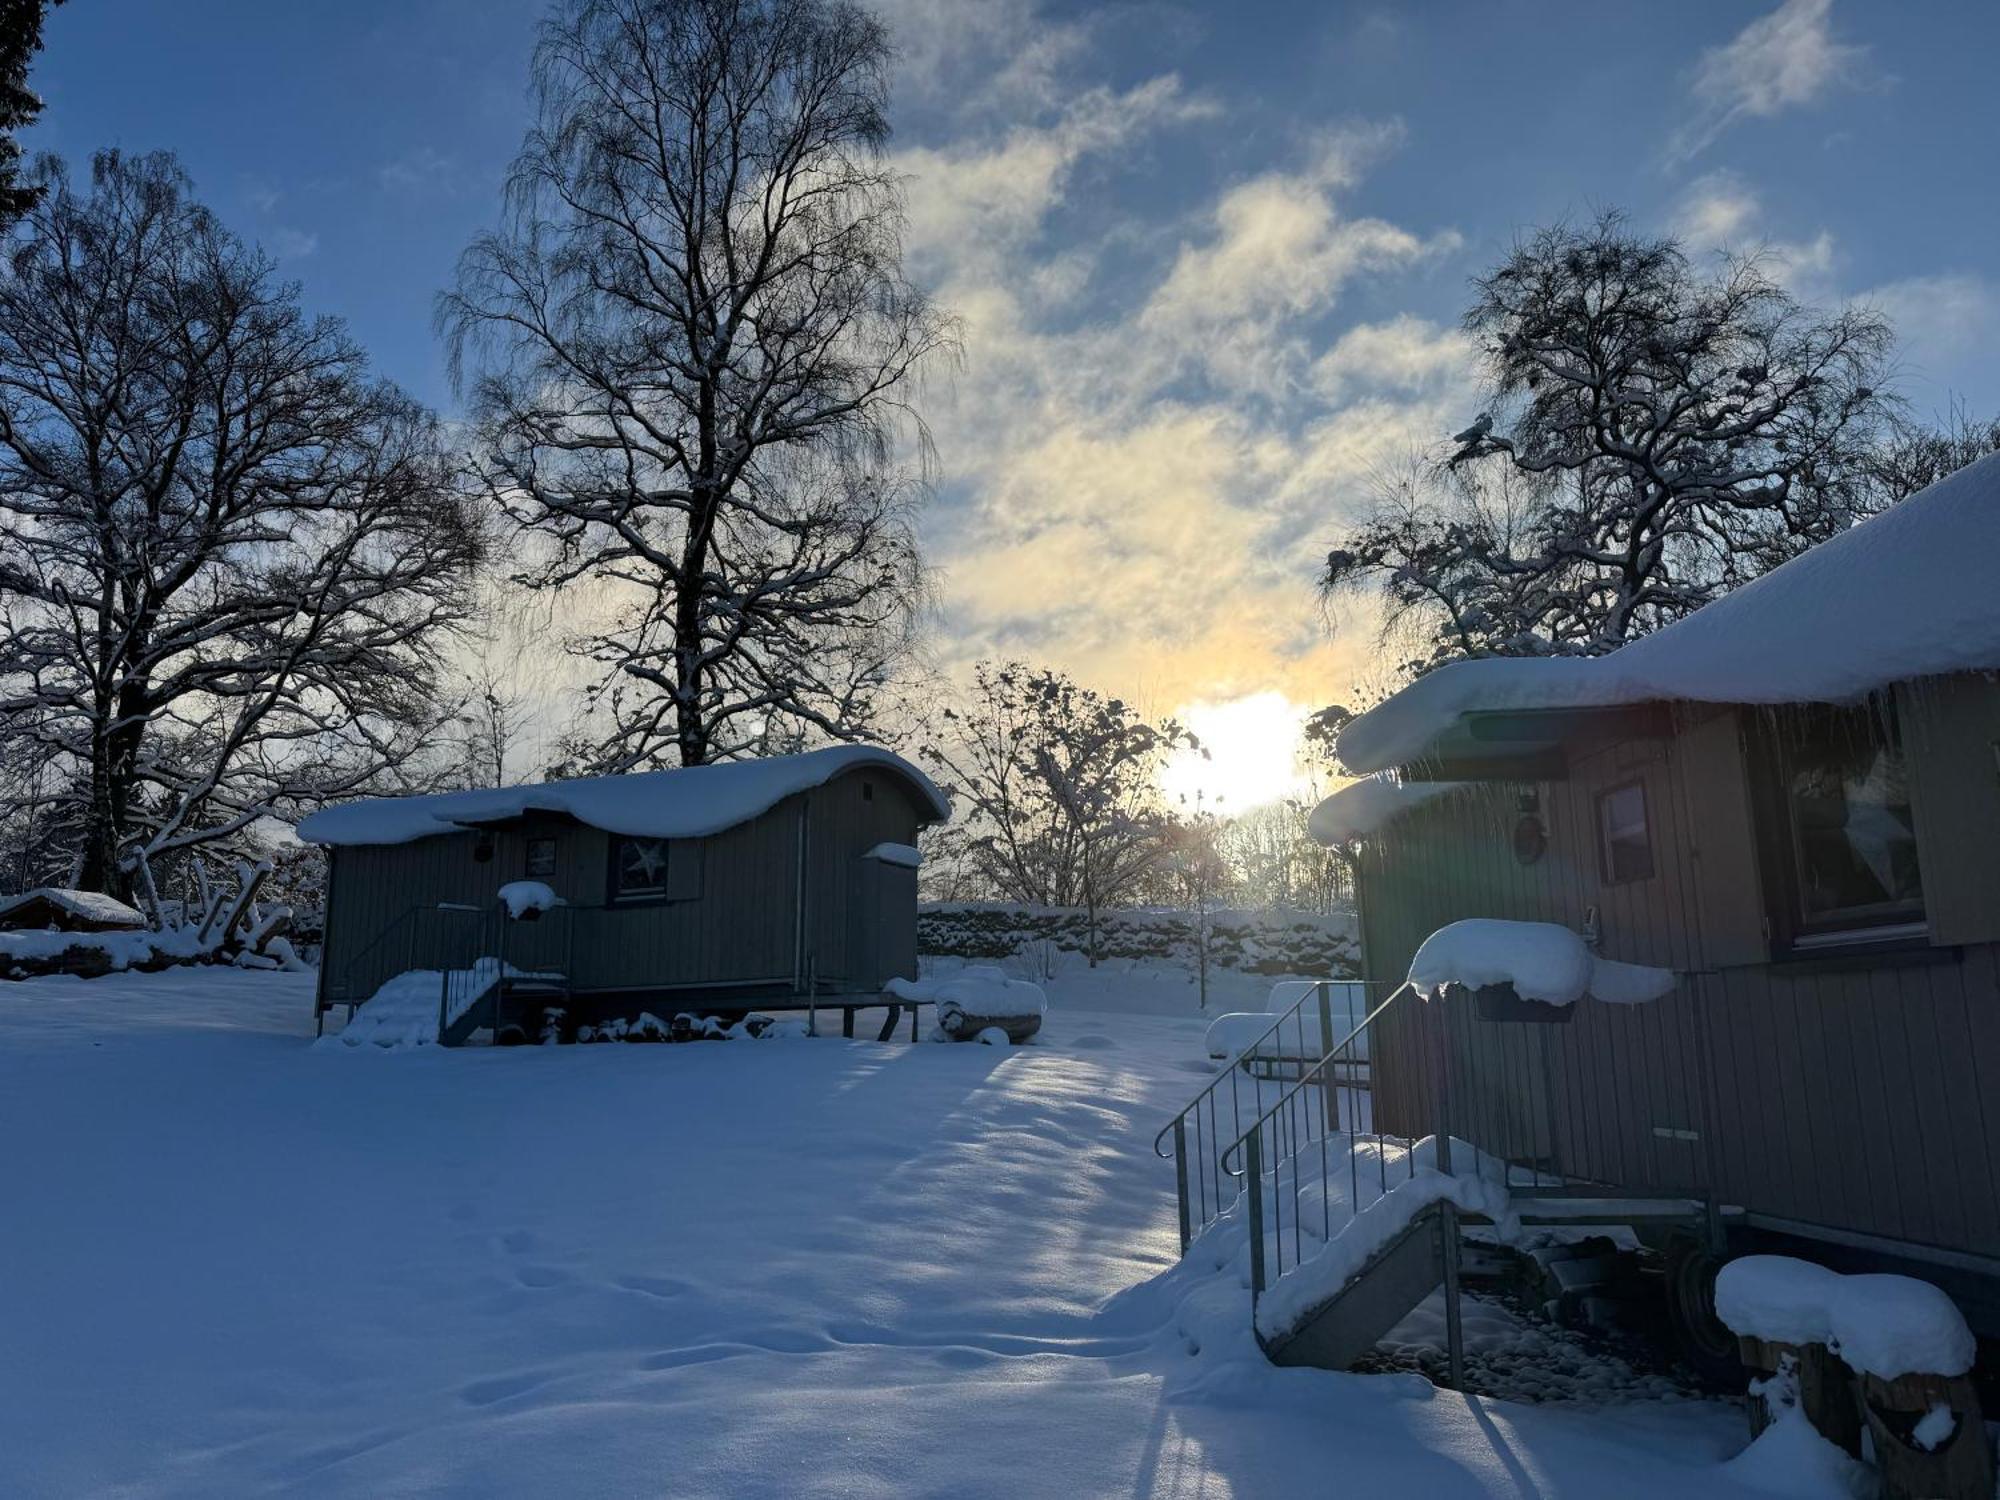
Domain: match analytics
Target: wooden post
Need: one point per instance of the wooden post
(1951, 1463)
(1825, 1389)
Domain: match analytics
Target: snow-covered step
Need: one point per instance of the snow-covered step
(1387, 1287)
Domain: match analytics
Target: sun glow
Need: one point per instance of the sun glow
(1251, 758)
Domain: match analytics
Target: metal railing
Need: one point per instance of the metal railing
(1296, 1040)
(473, 948)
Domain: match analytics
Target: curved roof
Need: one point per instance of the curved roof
(1911, 592)
(689, 803)
(1362, 807)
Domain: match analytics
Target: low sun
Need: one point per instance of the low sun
(1252, 754)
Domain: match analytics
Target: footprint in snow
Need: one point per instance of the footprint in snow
(517, 1242)
(540, 1276)
(1092, 1042)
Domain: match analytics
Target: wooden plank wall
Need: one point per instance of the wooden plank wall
(1853, 1098)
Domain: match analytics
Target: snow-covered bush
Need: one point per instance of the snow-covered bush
(1250, 942)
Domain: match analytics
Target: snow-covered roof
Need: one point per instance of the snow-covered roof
(690, 803)
(87, 906)
(1362, 807)
(1907, 593)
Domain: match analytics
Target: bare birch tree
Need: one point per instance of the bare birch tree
(228, 555)
(691, 349)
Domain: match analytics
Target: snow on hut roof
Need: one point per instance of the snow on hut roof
(1908, 593)
(689, 803)
(50, 903)
(1362, 807)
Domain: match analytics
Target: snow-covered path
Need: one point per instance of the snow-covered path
(235, 1264)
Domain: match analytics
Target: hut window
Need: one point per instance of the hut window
(1624, 841)
(1850, 845)
(867, 791)
(541, 857)
(638, 869)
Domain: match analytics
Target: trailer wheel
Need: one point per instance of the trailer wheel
(1705, 1343)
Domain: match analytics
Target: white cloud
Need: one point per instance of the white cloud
(422, 169)
(1780, 61)
(1722, 214)
(293, 244)
(1944, 323)
(1276, 252)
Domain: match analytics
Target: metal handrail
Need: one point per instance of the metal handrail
(1310, 1074)
(1196, 1131)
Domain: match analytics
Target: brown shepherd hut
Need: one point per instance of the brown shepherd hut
(1791, 799)
(783, 883)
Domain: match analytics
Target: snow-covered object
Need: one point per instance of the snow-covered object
(905, 856)
(90, 907)
(122, 949)
(1891, 1326)
(1777, 1298)
(689, 803)
(1542, 960)
(1476, 1184)
(1232, 1036)
(1886, 1326)
(404, 1012)
(979, 992)
(1362, 808)
(994, 1036)
(523, 896)
(1924, 569)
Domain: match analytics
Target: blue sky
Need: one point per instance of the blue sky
(1209, 256)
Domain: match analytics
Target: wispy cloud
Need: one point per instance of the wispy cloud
(1781, 61)
(292, 244)
(1151, 438)
(422, 169)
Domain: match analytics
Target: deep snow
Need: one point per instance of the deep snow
(235, 1264)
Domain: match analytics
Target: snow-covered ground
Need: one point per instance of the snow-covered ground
(233, 1263)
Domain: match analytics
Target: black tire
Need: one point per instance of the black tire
(1703, 1341)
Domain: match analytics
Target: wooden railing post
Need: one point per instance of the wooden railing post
(1329, 1078)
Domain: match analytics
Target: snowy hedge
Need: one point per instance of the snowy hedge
(1252, 942)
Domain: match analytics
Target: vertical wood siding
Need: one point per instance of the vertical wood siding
(732, 916)
(1852, 1096)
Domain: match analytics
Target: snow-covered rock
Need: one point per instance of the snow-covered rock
(1886, 1326)
(523, 896)
(692, 802)
(1792, 636)
(1542, 960)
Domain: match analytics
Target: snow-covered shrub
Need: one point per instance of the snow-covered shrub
(1250, 942)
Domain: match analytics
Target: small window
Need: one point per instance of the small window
(867, 791)
(1850, 843)
(638, 869)
(1624, 842)
(541, 857)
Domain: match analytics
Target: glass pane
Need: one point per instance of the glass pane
(1628, 847)
(642, 866)
(1853, 836)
